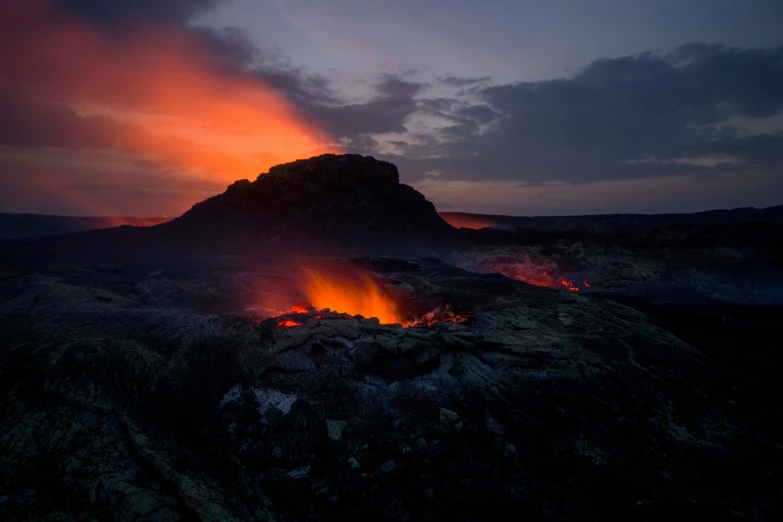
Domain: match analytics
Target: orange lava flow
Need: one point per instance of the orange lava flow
(570, 286)
(361, 296)
(288, 323)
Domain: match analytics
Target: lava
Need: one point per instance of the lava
(288, 323)
(360, 296)
(570, 286)
(437, 316)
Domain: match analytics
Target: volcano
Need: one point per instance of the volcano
(257, 359)
(351, 202)
(329, 204)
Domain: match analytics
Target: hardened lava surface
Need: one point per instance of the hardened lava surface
(119, 404)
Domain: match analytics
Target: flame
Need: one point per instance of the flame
(156, 93)
(361, 296)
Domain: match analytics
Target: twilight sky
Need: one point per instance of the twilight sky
(144, 107)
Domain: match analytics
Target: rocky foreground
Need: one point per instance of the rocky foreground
(122, 397)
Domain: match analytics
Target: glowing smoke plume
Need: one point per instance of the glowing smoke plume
(158, 94)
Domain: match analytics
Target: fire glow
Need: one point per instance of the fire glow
(288, 323)
(358, 294)
(150, 94)
(361, 296)
(531, 270)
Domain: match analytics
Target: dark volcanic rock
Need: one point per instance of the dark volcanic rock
(547, 404)
(350, 201)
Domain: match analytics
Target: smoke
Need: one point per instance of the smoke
(155, 91)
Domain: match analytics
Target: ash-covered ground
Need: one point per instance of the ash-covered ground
(189, 383)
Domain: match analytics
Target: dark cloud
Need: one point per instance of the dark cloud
(391, 103)
(123, 11)
(228, 44)
(28, 122)
(456, 81)
(305, 89)
(395, 87)
(639, 116)
(387, 111)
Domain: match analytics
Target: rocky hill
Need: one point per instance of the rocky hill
(348, 204)
(347, 201)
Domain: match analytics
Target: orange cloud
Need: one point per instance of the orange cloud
(166, 96)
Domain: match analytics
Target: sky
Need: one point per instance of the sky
(145, 107)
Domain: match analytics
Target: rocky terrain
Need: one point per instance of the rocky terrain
(173, 373)
(740, 263)
(546, 403)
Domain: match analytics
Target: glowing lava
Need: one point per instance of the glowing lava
(437, 316)
(288, 323)
(569, 285)
(360, 296)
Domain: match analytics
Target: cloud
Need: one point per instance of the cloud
(386, 112)
(28, 122)
(650, 115)
(94, 182)
(121, 11)
(457, 81)
(154, 92)
(137, 79)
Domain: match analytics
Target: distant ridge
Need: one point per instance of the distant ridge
(771, 215)
(14, 226)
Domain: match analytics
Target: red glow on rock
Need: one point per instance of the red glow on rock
(569, 285)
(437, 316)
(301, 307)
(288, 323)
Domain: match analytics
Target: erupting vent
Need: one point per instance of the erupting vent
(357, 294)
(361, 296)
